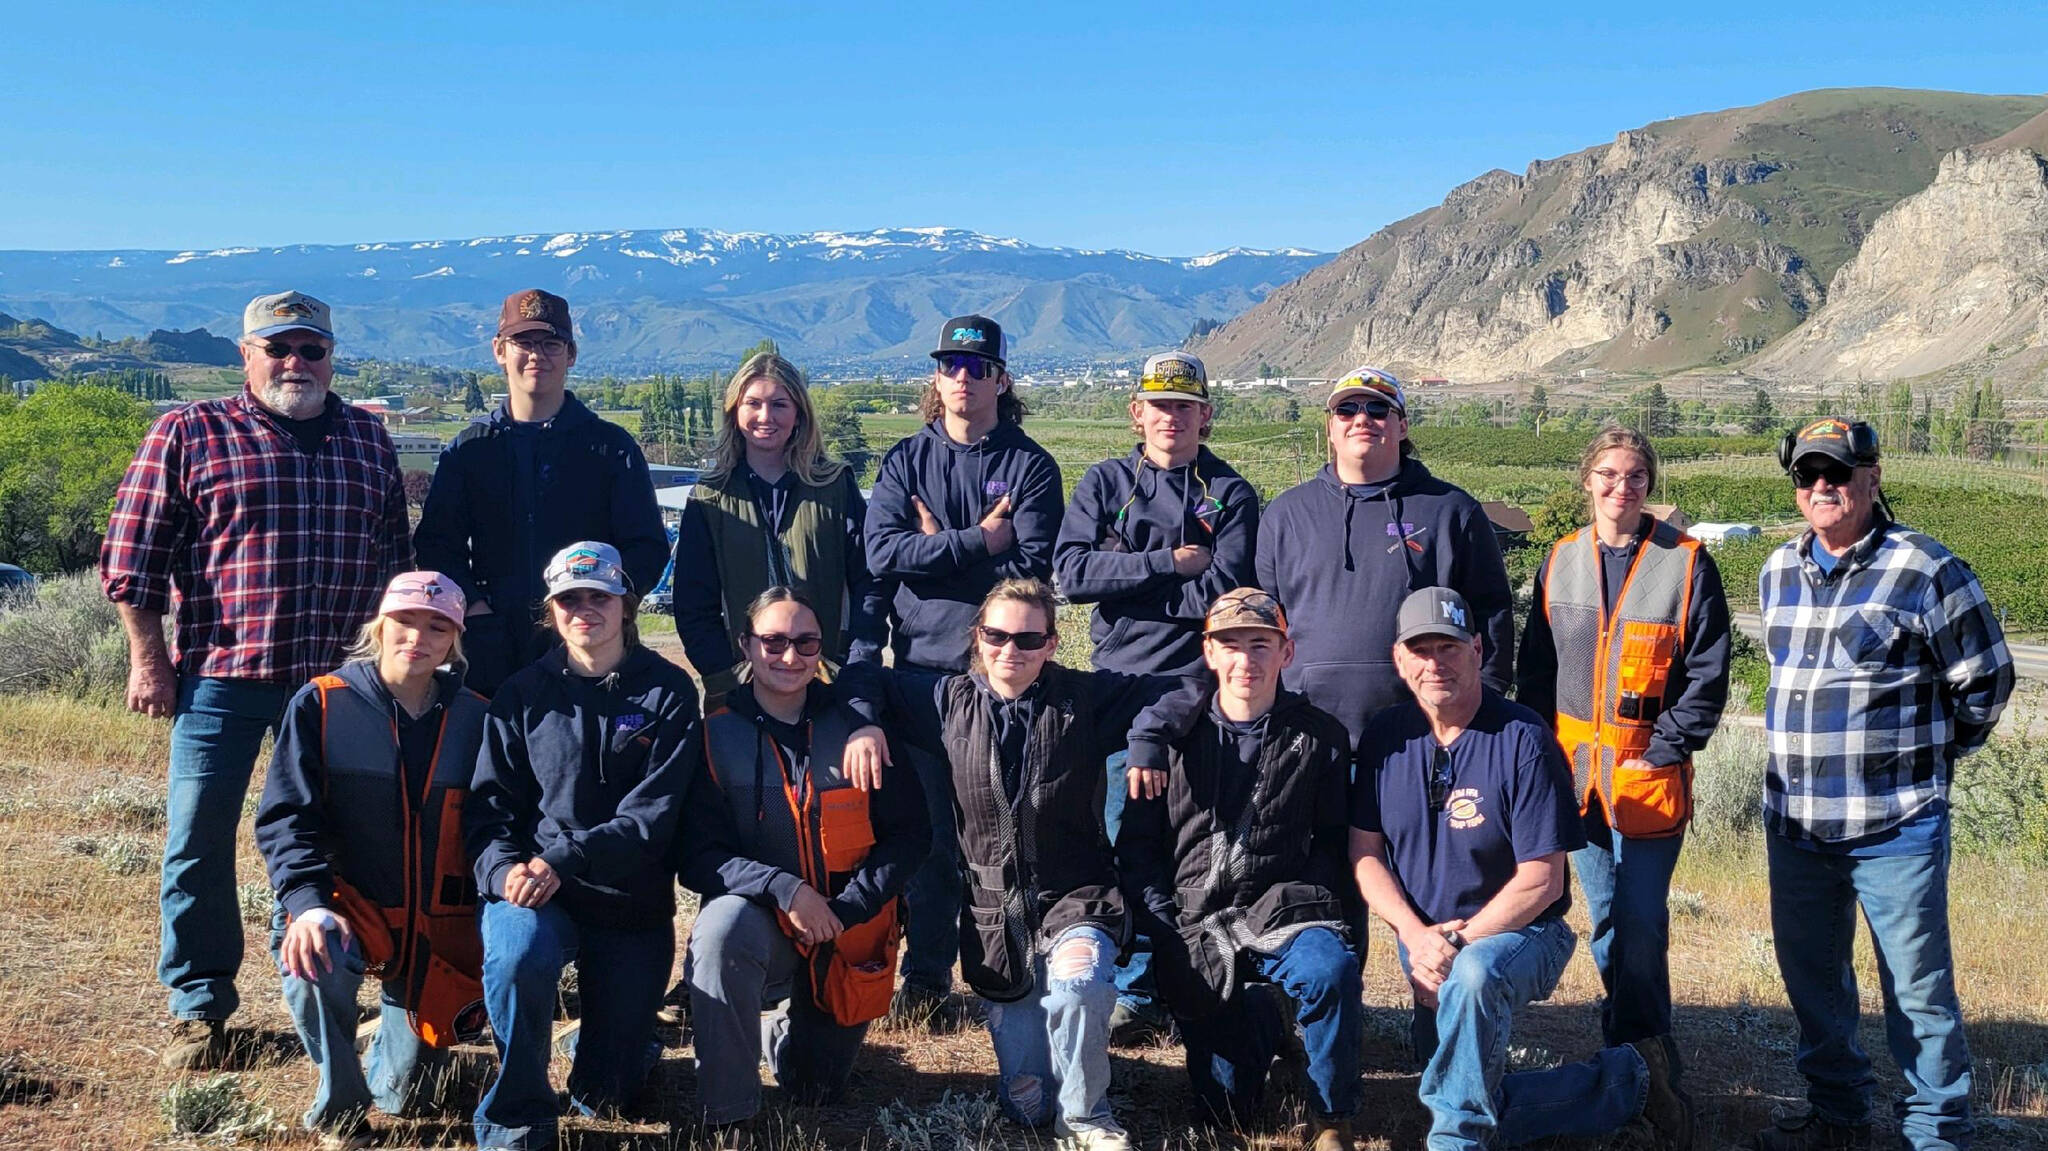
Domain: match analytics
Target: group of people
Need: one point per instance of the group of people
(1296, 715)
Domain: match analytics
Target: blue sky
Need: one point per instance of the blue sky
(1173, 129)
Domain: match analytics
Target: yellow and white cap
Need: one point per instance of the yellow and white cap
(1174, 376)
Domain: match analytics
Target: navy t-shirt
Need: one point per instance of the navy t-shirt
(1510, 801)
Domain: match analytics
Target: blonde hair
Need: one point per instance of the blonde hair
(1029, 592)
(369, 643)
(804, 454)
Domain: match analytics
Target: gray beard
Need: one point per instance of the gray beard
(294, 403)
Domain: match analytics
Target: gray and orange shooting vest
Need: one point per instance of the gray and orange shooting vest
(1613, 674)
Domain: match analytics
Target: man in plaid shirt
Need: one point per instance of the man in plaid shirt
(1886, 664)
(275, 517)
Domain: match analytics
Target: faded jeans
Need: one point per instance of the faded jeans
(216, 732)
(1473, 1101)
(1052, 1046)
(1136, 987)
(323, 1011)
(740, 961)
(1814, 896)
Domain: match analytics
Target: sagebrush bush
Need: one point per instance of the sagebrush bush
(1728, 779)
(66, 638)
(2000, 799)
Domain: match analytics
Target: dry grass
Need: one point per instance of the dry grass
(82, 1018)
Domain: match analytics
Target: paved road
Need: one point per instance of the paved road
(2029, 660)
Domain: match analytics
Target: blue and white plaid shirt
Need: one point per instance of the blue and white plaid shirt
(1883, 672)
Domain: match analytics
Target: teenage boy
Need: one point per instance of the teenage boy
(965, 502)
(1152, 538)
(1240, 868)
(540, 473)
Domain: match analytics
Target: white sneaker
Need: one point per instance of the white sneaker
(1092, 1139)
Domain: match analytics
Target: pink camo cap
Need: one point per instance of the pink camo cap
(424, 591)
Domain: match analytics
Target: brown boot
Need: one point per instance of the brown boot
(1332, 1135)
(196, 1045)
(1807, 1131)
(1666, 1106)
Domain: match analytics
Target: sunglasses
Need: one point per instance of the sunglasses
(1025, 640)
(311, 353)
(1349, 409)
(806, 645)
(1835, 472)
(1440, 779)
(976, 367)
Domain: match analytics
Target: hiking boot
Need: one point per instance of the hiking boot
(1803, 1129)
(1135, 1026)
(350, 1138)
(1332, 1135)
(1666, 1106)
(196, 1045)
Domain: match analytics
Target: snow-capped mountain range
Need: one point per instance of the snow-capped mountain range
(681, 298)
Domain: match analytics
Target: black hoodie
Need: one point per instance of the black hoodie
(1336, 559)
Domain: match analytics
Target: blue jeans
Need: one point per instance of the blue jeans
(323, 1010)
(1627, 884)
(1052, 1046)
(620, 974)
(1463, 1043)
(931, 938)
(1136, 988)
(1230, 1052)
(1814, 896)
(216, 731)
(740, 961)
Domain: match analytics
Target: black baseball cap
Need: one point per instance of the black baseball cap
(1434, 611)
(972, 336)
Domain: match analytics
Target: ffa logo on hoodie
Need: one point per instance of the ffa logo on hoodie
(995, 489)
(1404, 532)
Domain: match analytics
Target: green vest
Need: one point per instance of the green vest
(807, 552)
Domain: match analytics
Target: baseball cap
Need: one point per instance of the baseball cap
(1371, 383)
(424, 591)
(286, 312)
(1245, 607)
(1174, 376)
(1433, 611)
(535, 311)
(588, 564)
(1830, 437)
(973, 336)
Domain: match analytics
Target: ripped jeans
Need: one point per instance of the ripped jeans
(1052, 1046)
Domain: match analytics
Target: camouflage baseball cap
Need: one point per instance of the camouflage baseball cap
(1245, 607)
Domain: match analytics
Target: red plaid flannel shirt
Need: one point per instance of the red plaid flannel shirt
(277, 555)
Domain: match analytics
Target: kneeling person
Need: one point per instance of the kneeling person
(1462, 815)
(801, 866)
(1241, 868)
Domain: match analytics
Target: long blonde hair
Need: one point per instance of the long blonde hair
(804, 454)
(369, 643)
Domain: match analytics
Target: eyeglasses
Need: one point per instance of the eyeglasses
(549, 346)
(1025, 640)
(976, 367)
(1440, 779)
(1835, 472)
(1609, 478)
(806, 645)
(1349, 409)
(311, 353)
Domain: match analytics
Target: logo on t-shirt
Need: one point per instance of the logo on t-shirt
(1463, 809)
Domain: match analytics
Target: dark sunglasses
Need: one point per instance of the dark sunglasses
(806, 645)
(1025, 640)
(978, 367)
(1349, 409)
(1835, 472)
(1440, 779)
(311, 353)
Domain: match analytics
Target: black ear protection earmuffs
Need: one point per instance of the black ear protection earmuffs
(1862, 445)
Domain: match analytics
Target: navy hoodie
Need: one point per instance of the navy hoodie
(941, 579)
(1341, 558)
(589, 775)
(1116, 551)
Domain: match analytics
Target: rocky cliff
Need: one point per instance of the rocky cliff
(1684, 243)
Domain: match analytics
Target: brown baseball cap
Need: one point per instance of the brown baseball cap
(1245, 607)
(534, 310)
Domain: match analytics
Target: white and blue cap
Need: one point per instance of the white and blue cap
(587, 564)
(1434, 611)
(1373, 384)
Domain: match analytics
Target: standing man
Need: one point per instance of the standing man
(1461, 817)
(1152, 539)
(277, 516)
(1240, 870)
(1342, 549)
(967, 501)
(540, 473)
(1886, 665)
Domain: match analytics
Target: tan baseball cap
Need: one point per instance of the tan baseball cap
(1245, 607)
(285, 312)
